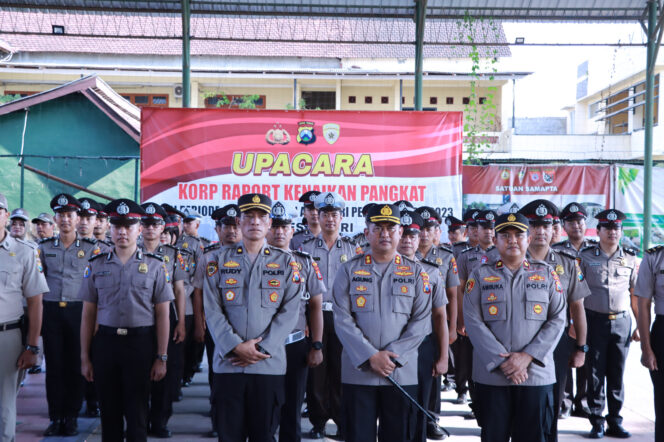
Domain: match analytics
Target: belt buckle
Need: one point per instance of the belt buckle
(62, 304)
(612, 317)
(122, 332)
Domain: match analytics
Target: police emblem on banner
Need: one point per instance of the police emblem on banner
(305, 132)
(277, 135)
(331, 132)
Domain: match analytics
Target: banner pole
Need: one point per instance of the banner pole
(649, 111)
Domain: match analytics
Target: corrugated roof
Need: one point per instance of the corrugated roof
(122, 33)
(123, 113)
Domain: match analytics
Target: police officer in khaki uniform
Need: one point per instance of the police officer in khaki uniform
(87, 217)
(44, 225)
(125, 325)
(568, 352)
(177, 215)
(360, 238)
(64, 258)
(20, 278)
(456, 234)
(650, 287)
(330, 251)
(164, 392)
(382, 312)
(573, 218)
(19, 219)
(471, 258)
(557, 229)
(310, 215)
(514, 312)
(100, 230)
(611, 274)
(301, 353)
(472, 232)
(252, 297)
(433, 352)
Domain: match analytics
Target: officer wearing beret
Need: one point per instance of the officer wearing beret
(252, 296)
(649, 287)
(310, 215)
(611, 273)
(64, 257)
(164, 392)
(21, 279)
(514, 311)
(330, 251)
(382, 312)
(433, 352)
(568, 352)
(359, 238)
(44, 225)
(300, 353)
(126, 294)
(471, 258)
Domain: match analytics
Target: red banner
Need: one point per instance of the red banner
(205, 158)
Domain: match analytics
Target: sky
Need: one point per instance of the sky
(552, 85)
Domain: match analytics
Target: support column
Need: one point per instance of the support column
(186, 68)
(337, 95)
(420, 15)
(654, 33)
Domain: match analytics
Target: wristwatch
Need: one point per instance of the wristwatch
(582, 348)
(32, 348)
(163, 358)
(317, 345)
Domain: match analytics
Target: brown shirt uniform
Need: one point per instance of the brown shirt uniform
(329, 260)
(443, 258)
(474, 257)
(650, 283)
(64, 267)
(609, 278)
(125, 294)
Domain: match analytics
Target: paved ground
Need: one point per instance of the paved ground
(191, 423)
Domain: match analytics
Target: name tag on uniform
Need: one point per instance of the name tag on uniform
(661, 271)
(51, 255)
(103, 273)
(594, 264)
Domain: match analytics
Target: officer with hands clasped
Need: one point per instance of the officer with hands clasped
(125, 325)
(514, 312)
(252, 297)
(382, 312)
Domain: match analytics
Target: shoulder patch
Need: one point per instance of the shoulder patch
(308, 240)
(154, 255)
(654, 249)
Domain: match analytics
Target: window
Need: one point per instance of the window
(351, 99)
(368, 100)
(482, 100)
(232, 101)
(403, 100)
(466, 100)
(145, 100)
(384, 100)
(433, 100)
(449, 100)
(319, 99)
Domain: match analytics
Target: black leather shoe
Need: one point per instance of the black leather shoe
(35, 369)
(212, 434)
(161, 433)
(316, 433)
(597, 432)
(305, 413)
(54, 428)
(434, 432)
(618, 431)
(469, 416)
(449, 386)
(564, 413)
(462, 399)
(70, 427)
(186, 382)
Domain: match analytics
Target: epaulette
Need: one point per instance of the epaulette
(445, 248)
(90, 240)
(566, 253)
(559, 243)
(406, 258)
(347, 239)
(592, 241)
(154, 255)
(171, 246)
(300, 231)
(458, 243)
(300, 253)
(98, 255)
(309, 240)
(271, 249)
(431, 263)
(587, 248)
(187, 251)
(212, 247)
(630, 251)
(654, 249)
(52, 238)
(356, 257)
(490, 248)
(30, 244)
(205, 241)
(468, 249)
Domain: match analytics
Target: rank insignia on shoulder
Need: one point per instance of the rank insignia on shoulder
(142, 268)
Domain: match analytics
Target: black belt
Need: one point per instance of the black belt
(125, 331)
(610, 316)
(63, 304)
(10, 326)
